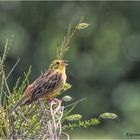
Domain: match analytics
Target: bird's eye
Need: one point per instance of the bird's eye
(57, 63)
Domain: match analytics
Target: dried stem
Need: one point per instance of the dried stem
(64, 47)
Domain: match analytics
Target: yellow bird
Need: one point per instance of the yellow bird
(46, 86)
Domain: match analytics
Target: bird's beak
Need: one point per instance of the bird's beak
(64, 62)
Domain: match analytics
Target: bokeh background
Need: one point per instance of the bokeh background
(104, 59)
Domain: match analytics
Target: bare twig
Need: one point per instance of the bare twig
(68, 137)
(64, 47)
(12, 69)
(75, 102)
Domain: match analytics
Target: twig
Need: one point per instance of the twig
(66, 41)
(6, 49)
(75, 102)
(59, 120)
(53, 120)
(12, 69)
(68, 137)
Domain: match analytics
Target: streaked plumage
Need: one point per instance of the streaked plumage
(47, 86)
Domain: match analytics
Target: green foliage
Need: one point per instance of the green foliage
(87, 123)
(84, 123)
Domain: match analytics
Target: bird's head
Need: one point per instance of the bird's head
(58, 64)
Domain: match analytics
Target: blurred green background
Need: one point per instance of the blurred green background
(104, 59)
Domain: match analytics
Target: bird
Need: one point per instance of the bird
(47, 86)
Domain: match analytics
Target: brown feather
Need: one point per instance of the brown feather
(45, 86)
(19, 103)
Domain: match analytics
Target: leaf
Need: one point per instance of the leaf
(66, 86)
(108, 115)
(82, 26)
(74, 117)
(67, 98)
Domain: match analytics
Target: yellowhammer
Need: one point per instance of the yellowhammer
(47, 86)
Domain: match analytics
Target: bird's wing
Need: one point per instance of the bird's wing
(45, 85)
(34, 85)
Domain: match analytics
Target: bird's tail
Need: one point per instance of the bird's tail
(21, 102)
